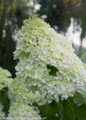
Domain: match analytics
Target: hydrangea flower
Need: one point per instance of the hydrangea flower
(5, 78)
(20, 97)
(47, 62)
(20, 111)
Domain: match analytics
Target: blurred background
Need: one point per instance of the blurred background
(67, 17)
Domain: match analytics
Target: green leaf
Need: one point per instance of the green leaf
(52, 118)
(66, 111)
(55, 106)
(42, 110)
(80, 112)
(4, 100)
(79, 98)
(53, 70)
(49, 111)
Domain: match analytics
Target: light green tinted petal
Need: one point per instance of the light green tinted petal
(5, 78)
(22, 111)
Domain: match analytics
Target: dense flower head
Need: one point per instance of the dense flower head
(19, 93)
(5, 78)
(47, 62)
(20, 97)
(20, 111)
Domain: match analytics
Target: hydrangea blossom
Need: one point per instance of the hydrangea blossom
(21, 101)
(20, 97)
(47, 62)
(20, 111)
(5, 78)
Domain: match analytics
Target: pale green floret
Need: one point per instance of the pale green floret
(5, 78)
(47, 62)
(2, 114)
(20, 111)
(19, 93)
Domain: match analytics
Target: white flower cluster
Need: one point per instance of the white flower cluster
(47, 62)
(19, 93)
(5, 78)
(21, 101)
(20, 111)
(20, 97)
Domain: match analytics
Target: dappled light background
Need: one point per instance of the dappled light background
(67, 17)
